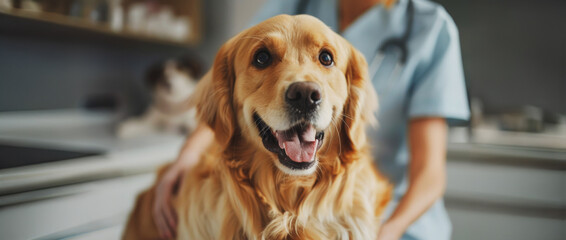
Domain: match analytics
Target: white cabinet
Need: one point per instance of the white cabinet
(501, 193)
(93, 210)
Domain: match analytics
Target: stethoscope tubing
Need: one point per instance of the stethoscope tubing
(398, 42)
(401, 44)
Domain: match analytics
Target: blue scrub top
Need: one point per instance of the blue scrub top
(430, 83)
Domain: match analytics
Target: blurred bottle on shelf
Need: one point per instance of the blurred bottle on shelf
(157, 19)
(31, 6)
(100, 12)
(116, 15)
(6, 4)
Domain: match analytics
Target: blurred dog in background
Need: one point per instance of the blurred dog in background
(171, 82)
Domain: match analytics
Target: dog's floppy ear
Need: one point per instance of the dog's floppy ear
(360, 106)
(214, 96)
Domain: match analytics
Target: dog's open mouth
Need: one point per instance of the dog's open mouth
(296, 147)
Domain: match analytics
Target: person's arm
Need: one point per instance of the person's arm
(427, 175)
(164, 215)
(197, 142)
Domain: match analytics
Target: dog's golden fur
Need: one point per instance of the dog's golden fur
(237, 191)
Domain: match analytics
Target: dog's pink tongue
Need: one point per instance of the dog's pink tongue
(299, 146)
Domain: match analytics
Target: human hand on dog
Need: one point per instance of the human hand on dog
(164, 214)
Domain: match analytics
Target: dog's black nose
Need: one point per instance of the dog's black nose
(304, 96)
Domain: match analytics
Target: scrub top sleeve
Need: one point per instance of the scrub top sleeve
(273, 8)
(440, 90)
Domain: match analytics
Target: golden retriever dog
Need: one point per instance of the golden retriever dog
(288, 101)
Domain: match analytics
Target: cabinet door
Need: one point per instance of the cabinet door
(100, 206)
(498, 201)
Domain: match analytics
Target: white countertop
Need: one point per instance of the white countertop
(76, 129)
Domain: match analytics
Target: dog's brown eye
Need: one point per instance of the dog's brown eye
(325, 58)
(262, 59)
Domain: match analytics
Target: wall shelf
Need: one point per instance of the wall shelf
(61, 27)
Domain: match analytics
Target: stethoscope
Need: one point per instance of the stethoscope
(399, 43)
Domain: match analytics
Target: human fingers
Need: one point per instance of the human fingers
(170, 216)
(162, 229)
(163, 204)
(159, 209)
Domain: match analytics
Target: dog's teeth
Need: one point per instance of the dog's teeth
(281, 144)
(314, 155)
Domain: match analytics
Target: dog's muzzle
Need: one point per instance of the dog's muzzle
(295, 147)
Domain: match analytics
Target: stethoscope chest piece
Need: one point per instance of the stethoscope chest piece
(386, 70)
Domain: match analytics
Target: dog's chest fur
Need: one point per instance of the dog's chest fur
(271, 205)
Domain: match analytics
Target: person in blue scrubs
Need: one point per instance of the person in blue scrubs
(418, 99)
